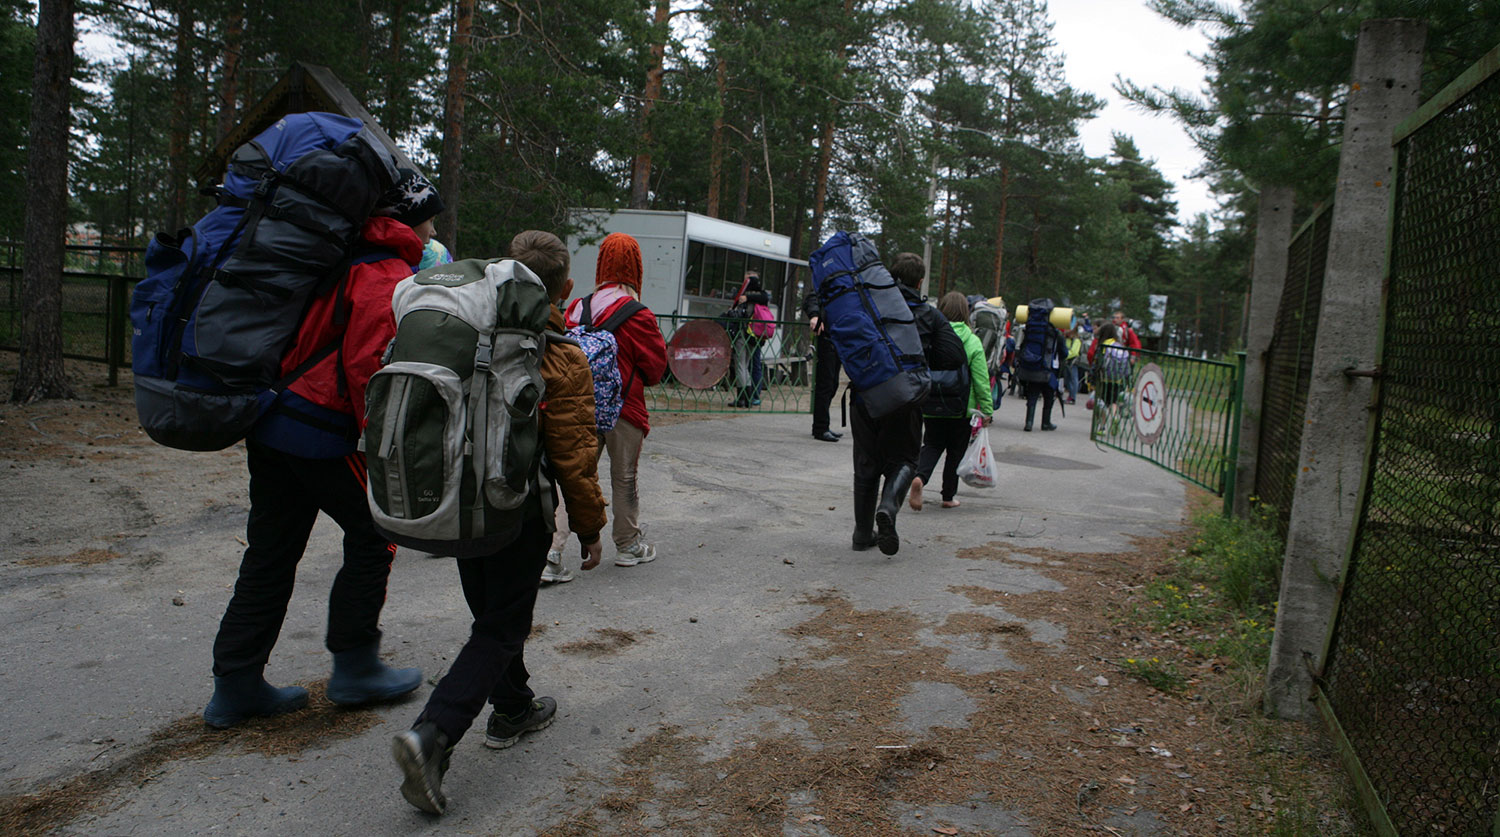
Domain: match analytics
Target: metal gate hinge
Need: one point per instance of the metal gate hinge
(1375, 373)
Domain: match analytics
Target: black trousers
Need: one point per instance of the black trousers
(286, 494)
(1035, 390)
(825, 383)
(883, 445)
(501, 591)
(943, 436)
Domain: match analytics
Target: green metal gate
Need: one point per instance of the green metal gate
(1411, 683)
(1183, 413)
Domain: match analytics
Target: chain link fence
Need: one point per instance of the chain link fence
(1289, 367)
(718, 365)
(1413, 670)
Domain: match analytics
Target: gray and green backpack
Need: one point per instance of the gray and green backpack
(452, 442)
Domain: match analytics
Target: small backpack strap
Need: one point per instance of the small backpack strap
(586, 316)
(623, 313)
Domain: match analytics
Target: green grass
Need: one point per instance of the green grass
(1163, 677)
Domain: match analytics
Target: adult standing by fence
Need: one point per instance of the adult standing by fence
(826, 376)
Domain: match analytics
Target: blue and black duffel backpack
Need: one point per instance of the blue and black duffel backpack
(222, 300)
(870, 323)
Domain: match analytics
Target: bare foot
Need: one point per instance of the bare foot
(950, 504)
(914, 498)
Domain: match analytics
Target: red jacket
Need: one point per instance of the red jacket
(642, 357)
(321, 414)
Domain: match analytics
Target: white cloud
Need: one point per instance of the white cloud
(1104, 38)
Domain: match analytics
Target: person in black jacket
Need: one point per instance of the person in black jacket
(826, 376)
(887, 447)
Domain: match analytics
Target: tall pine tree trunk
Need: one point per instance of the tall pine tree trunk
(825, 156)
(229, 71)
(41, 368)
(395, 121)
(450, 163)
(716, 143)
(177, 137)
(1000, 227)
(820, 186)
(742, 205)
(640, 174)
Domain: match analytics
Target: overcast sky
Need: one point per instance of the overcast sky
(1104, 38)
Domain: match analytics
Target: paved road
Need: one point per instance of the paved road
(752, 520)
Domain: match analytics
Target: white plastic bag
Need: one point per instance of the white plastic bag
(977, 468)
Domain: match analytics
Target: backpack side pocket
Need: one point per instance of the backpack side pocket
(414, 445)
(513, 441)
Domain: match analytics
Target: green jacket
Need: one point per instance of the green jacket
(979, 370)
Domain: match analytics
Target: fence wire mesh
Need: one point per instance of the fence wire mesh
(1413, 671)
(96, 286)
(1173, 410)
(720, 365)
(1289, 367)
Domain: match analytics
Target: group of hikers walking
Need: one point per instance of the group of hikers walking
(461, 408)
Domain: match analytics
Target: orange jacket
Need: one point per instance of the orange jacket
(569, 434)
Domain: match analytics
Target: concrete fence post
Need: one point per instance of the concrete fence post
(1384, 89)
(1273, 236)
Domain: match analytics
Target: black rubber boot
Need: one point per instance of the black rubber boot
(359, 676)
(866, 496)
(896, 486)
(246, 694)
(1047, 414)
(1030, 414)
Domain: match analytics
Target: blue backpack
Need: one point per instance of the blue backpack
(223, 299)
(1039, 343)
(603, 351)
(870, 324)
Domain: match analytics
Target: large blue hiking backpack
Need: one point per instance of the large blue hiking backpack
(1039, 343)
(223, 299)
(870, 323)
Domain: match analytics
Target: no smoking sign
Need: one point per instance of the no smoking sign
(1150, 403)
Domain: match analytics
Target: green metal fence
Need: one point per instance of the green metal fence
(97, 281)
(783, 385)
(1289, 368)
(1411, 683)
(1177, 411)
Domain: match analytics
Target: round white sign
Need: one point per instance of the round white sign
(1150, 403)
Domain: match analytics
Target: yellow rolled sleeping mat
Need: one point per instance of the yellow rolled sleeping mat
(1061, 317)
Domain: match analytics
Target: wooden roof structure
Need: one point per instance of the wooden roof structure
(305, 87)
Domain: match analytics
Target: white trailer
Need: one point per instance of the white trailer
(693, 264)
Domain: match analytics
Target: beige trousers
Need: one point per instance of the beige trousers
(624, 447)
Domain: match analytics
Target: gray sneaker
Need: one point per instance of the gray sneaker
(503, 731)
(639, 553)
(423, 753)
(556, 573)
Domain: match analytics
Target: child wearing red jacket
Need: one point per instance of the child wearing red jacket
(643, 360)
(302, 460)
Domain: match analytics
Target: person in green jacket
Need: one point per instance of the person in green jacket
(947, 410)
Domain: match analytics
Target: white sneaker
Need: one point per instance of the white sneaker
(640, 553)
(556, 573)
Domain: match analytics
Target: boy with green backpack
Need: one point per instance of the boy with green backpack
(501, 587)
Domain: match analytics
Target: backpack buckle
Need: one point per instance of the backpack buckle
(482, 357)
